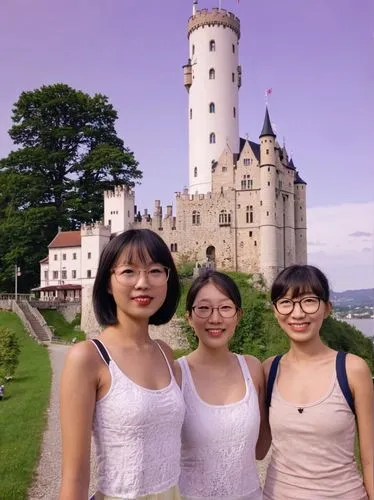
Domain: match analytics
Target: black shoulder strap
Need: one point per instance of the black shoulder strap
(102, 350)
(271, 379)
(341, 373)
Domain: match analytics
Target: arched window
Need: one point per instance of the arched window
(224, 218)
(212, 74)
(234, 111)
(195, 218)
(190, 113)
(212, 138)
(195, 172)
(212, 107)
(212, 46)
(193, 50)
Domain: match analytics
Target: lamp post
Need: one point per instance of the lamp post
(17, 272)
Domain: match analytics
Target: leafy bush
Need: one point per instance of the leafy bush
(9, 352)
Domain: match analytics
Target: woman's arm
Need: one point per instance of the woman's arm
(77, 403)
(264, 438)
(360, 381)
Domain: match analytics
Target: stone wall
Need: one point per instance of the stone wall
(69, 310)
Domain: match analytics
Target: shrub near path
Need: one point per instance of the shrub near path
(23, 413)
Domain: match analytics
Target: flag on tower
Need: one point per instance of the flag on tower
(268, 92)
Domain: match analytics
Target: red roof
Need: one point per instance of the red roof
(44, 261)
(65, 239)
(57, 287)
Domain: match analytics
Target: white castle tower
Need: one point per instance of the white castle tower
(212, 78)
(119, 208)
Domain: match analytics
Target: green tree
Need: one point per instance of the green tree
(9, 352)
(68, 154)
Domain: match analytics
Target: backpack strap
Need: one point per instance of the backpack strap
(341, 373)
(102, 350)
(271, 379)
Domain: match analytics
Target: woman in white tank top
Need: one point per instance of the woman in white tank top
(224, 396)
(121, 385)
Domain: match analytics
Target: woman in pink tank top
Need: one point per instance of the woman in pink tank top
(121, 386)
(224, 397)
(315, 397)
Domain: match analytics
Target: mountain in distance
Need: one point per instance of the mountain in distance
(353, 298)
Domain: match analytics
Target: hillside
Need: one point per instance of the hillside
(353, 298)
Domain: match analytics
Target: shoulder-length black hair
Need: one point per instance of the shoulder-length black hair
(299, 279)
(222, 281)
(141, 244)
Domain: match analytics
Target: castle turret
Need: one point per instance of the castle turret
(212, 77)
(300, 220)
(268, 227)
(119, 208)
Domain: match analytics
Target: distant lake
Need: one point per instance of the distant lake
(366, 326)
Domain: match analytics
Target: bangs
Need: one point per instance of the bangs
(299, 280)
(142, 249)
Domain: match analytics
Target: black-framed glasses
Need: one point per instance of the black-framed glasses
(225, 311)
(157, 275)
(309, 305)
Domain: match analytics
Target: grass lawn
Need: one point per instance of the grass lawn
(23, 413)
(62, 328)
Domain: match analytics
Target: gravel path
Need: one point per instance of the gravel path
(46, 484)
(48, 475)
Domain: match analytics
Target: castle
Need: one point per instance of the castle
(245, 207)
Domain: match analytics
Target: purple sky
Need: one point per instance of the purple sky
(317, 55)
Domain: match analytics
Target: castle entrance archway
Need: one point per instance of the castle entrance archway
(211, 256)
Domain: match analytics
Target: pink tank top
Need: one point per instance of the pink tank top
(219, 444)
(137, 436)
(313, 449)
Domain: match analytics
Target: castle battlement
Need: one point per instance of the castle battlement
(119, 191)
(214, 17)
(95, 229)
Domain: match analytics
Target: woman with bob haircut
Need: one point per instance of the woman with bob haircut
(316, 396)
(224, 395)
(121, 386)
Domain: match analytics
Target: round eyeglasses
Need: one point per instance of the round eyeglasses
(206, 311)
(309, 305)
(157, 275)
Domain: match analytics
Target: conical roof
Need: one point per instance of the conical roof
(267, 129)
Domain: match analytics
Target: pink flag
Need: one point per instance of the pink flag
(268, 92)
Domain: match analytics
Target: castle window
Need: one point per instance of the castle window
(224, 218)
(255, 243)
(64, 275)
(174, 247)
(267, 151)
(246, 182)
(224, 169)
(268, 183)
(212, 46)
(190, 113)
(64, 256)
(74, 256)
(233, 48)
(88, 273)
(267, 213)
(268, 169)
(250, 234)
(193, 50)
(195, 218)
(45, 275)
(109, 222)
(212, 138)
(233, 77)
(280, 184)
(88, 255)
(195, 172)
(251, 214)
(234, 111)
(212, 74)
(246, 162)
(55, 256)
(212, 107)
(55, 275)
(74, 274)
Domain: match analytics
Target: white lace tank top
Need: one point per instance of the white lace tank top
(219, 444)
(137, 434)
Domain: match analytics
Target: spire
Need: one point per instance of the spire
(267, 128)
(298, 179)
(291, 164)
